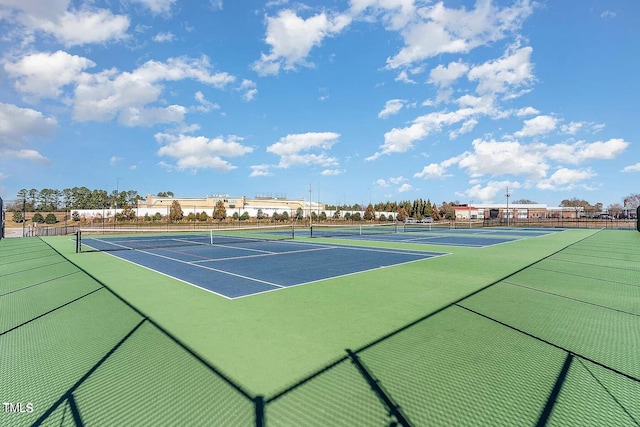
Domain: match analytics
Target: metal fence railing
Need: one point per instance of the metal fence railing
(1, 218)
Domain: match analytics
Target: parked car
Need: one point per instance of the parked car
(426, 220)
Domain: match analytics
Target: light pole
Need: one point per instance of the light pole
(310, 207)
(507, 195)
(115, 214)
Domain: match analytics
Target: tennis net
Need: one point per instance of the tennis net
(103, 240)
(324, 230)
(418, 227)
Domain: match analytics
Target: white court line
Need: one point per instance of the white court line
(214, 269)
(343, 275)
(262, 255)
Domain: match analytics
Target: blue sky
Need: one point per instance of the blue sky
(361, 99)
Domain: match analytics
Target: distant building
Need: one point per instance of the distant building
(515, 211)
(267, 204)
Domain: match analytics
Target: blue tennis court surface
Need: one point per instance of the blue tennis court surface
(424, 234)
(243, 269)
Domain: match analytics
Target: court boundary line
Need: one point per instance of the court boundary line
(206, 268)
(345, 275)
(424, 254)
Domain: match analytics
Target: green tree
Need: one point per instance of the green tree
(127, 214)
(369, 213)
(284, 217)
(356, 217)
(17, 216)
(157, 216)
(75, 216)
(38, 218)
(219, 211)
(402, 214)
(245, 216)
(203, 216)
(435, 214)
(323, 216)
(175, 212)
(51, 219)
(299, 214)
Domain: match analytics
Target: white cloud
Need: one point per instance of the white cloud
(395, 13)
(404, 188)
(565, 179)
(505, 74)
(199, 152)
(403, 76)
(18, 126)
(582, 151)
(291, 39)
(437, 29)
(331, 172)
(632, 168)
(432, 171)
(537, 126)
(382, 183)
(74, 28)
(133, 116)
(491, 191)
(293, 149)
(114, 160)
(445, 76)
(105, 95)
(393, 106)
(44, 74)
(205, 105)
(158, 6)
(216, 4)
(25, 154)
(608, 14)
(260, 170)
(500, 158)
(249, 88)
(527, 111)
(164, 37)
(465, 128)
(400, 140)
(572, 128)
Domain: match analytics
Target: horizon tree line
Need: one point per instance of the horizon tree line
(53, 200)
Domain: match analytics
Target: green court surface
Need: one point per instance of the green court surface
(538, 331)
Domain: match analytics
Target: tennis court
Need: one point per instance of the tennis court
(541, 331)
(240, 264)
(429, 234)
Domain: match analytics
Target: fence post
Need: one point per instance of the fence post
(258, 403)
